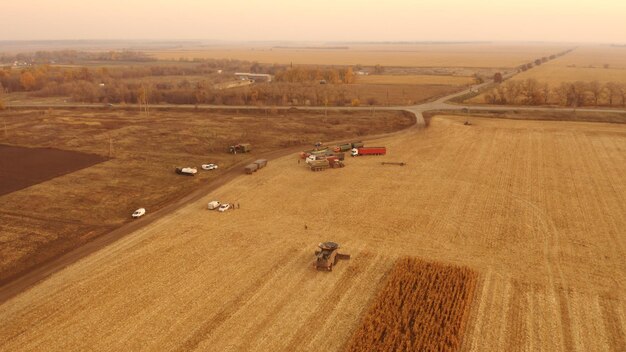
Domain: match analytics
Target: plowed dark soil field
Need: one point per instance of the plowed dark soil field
(22, 167)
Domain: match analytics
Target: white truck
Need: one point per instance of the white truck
(189, 171)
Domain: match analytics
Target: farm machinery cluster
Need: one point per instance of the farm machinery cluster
(325, 157)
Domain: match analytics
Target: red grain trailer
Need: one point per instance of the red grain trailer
(369, 151)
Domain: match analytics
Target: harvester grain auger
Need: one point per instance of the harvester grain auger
(327, 255)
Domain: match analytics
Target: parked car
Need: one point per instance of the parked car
(209, 166)
(214, 205)
(223, 207)
(189, 171)
(139, 213)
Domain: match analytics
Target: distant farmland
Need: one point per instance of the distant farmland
(409, 55)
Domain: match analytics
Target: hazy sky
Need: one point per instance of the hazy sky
(316, 20)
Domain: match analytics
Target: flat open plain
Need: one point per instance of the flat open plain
(477, 55)
(536, 208)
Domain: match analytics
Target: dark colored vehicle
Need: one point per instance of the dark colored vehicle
(327, 255)
(240, 148)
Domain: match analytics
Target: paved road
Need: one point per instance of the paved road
(43, 271)
(442, 103)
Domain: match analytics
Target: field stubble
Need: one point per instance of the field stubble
(52, 217)
(535, 207)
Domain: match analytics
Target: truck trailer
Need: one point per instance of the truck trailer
(240, 148)
(323, 164)
(369, 151)
(344, 147)
(261, 163)
(250, 168)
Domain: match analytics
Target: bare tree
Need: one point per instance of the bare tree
(562, 93)
(530, 92)
(622, 93)
(595, 89)
(611, 90)
(545, 93)
(513, 90)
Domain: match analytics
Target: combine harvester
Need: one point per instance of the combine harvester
(327, 255)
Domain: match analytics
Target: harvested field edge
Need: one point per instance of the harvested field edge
(422, 306)
(617, 117)
(14, 285)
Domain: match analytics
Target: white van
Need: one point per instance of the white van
(214, 205)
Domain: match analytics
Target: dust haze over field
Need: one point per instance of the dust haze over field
(488, 215)
(323, 20)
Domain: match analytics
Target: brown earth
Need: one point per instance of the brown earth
(534, 207)
(45, 220)
(22, 167)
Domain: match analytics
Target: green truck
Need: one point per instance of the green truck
(240, 148)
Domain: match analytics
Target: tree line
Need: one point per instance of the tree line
(302, 74)
(542, 60)
(131, 84)
(531, 92)
(74, 56)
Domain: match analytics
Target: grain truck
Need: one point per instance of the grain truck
(250, 168)
(369, 151)
(323, 164)
(261, 163)
(240, 148)
(307, 153)
(344, 147)
(339, 155)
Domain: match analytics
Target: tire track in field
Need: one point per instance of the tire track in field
(233, 305)
(613, 321)
(280, 302)
(347, 282)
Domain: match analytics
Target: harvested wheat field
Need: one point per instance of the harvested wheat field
(535, 208)
(416, 79)
(477, 55)
(591, 63)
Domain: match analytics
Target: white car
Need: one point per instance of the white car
(139, 213)
(223, 207)
(209, 166)
(214, 205)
